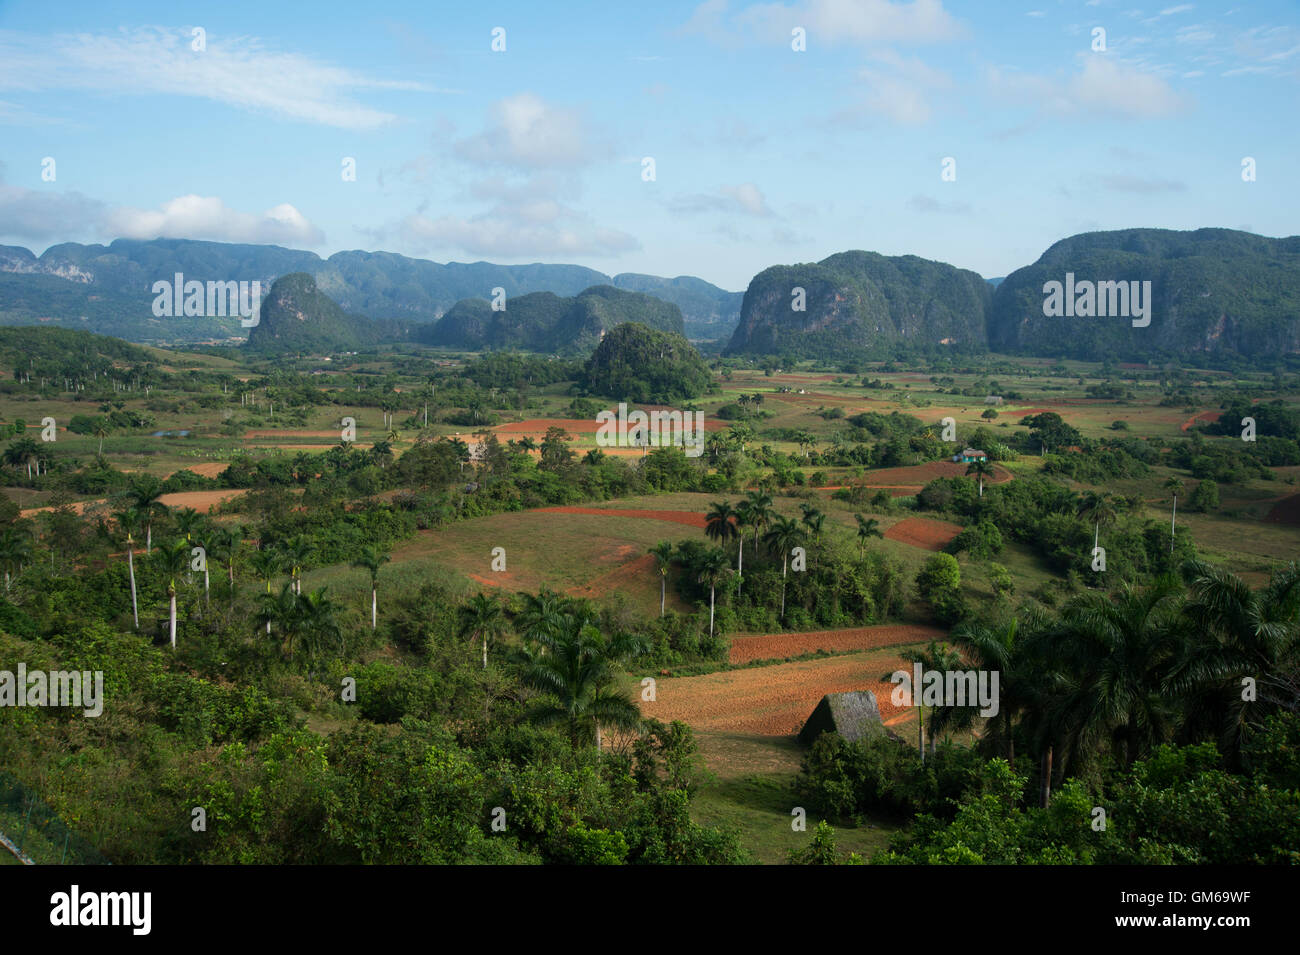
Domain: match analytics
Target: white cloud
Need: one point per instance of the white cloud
(528, 133)
(237, 71)
(1104, 85)
(920, 203)
(207, 217)
(32, 214)
(899, 87)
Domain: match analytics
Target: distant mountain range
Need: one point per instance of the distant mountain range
(107, 289)
(1217, 294)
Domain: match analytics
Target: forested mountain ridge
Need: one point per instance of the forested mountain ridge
(111, 285)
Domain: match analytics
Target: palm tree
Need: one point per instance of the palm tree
(868, 527)
(1175, 486)
(543, 615)
(297, 551)
(573, 669)
(785, 535)
(981, 469)
(1237, 632)
(663, 555)
(172, 560)
(482, 618)
(998, 649)
(813, 519)
(371, 559)
(1113, 655)
(744, 514)
(1099, 508)
(266, 564)
(720, 525)
(317, 623)
(146, 492)
(760, 511)
(937, 658)
(128, 519)
(712, 569)
(102, 431)
(15, 548)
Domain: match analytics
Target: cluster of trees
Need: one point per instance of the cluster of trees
(1172, 706)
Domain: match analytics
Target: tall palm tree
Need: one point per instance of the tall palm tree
(371, 559)
(760, 511)
(1175, 486)
(146, 493)
(15, 549)
(814, 520)
(102, 431)
(981, 469)
(128, 520)
(712, 570)
(868, 527)
(266, 564)
(317, 623)
(172, 560)
(937, 658)
(574, 671)
(1113, 656)
(663, 555)
(744, 514)
(1098, 508)
(296, 551)
(482, 618)
(998, 649)
(719, 524)
(785, 535)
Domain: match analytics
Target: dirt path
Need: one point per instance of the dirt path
(778, 646)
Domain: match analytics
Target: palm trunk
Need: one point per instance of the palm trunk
(1173, 526)
(485, 651)
(1046, 794)
(207, 596)
(130, 566)
(173, 609)
(740, 565)
(663, 593)
(374, 608)
(920, 726)
(784, 563)
(148, 537)
(712, 593)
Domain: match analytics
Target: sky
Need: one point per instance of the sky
(975, 132)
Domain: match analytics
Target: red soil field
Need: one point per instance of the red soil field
(778, 646)
(924, 533)
(689, 518)
(773, 700)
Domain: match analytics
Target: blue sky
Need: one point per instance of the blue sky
(763, 154)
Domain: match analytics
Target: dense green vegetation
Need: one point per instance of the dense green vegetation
(634, 362)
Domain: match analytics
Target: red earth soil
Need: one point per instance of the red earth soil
(1205, 417)
(773, 700)
(689, 518)
(924, 533)
(778, 646)
(634, 571)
